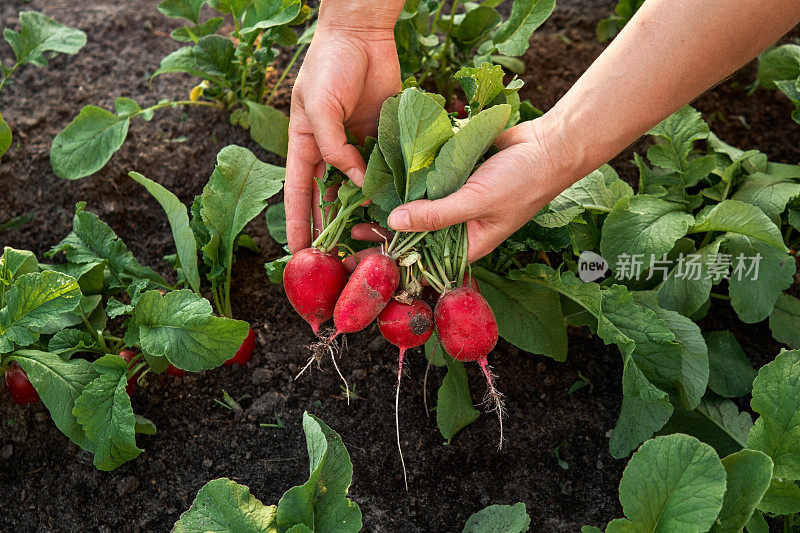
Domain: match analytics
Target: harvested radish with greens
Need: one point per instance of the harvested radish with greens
(313, 280)
(406, 323)
(245, 351)
(19, 387)
(369, 289)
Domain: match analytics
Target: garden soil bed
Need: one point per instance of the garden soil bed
(47, 483)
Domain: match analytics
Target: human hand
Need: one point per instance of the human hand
(345, 78)
(506, 191)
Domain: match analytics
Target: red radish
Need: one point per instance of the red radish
(313, 281)
(132, 386)
(19, 387)
(406, 325)
(245, 351)
(173, 370)
(457, 106)
(468, 331)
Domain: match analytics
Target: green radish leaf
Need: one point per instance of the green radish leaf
(643, 225)
(716, 421)
(782, 498)
(59, 383)
(475, 26)
(776, 397)
(93, 241)
(179, 326)
(784, 322)
(87, 143)
(461, 153)
(90, 306)
(178, 219)
(686, 293)
(126, 107)
(598, 192)
(434, 352)
(677, 133)
(90, 276)
(216, 56)
(276, 222)
(389, 142)
(181, 60)
(186, 34)
(749, 473)
(754, 290)
(270, 13)
(105, 413)
(143, 426)
(232, 7)
(15, 263)
(770, 193)
(235, 194)
(69, 341)
(39, 34)
(757, 524)
(684, 481)
(5, 136)
(186, 9)
(379, 182)
(481, 85)
(499, 519)
(777, 64)
(224, 505)
(738, 217)
(269, 128)
(275, 268)
(512, 37)
(730, 373)
(454, 409)
(33, 301)
(321, 504)
(528, 315)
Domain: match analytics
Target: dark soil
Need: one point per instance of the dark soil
(49, 484)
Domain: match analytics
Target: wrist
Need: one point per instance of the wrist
(360, 17)
(566, 162)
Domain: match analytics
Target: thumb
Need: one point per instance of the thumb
(431, 215)
(328, 128)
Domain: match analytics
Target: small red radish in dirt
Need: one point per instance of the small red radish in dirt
(406, 323)
(459, 107)
(132, 386)
(19, 387)
(468, 331)
(173, 370)
(245, 351)
(313, 281)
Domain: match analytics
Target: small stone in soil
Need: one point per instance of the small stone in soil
(8, 451)
(260, 376)
(265, 404)
(40, 417)
(207, 463)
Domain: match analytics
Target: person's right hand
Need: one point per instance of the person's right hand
(347, 74)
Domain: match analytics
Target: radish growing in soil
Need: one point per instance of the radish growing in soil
(19, 387)
(130, 357)
(468, 331)
(245, 351)
(406, 323)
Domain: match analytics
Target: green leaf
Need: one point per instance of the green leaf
(275, 268)
(270, 13)
(33, 301)
(754, 291)
(757, 524)
(87, 143)
(126, 107)
(782, 498)
(223, 505)
(738, 217)
(178, 219)
(512, 37)
(454, 409)
(481, 85)
(434, 352)
(39, 34)
(59, 383)
(389, 141)
(15, 263)
(105, 413)
(379, 182)
(499, 519)
(143, 426)
(528, 315)
(677, 133)
(269, 128)
(233, 7)
(216, 56)
(598, 192)
(186, 34)
(321, 503)
(461, 153)
(179, 326)
(781, 63)
(785, 321)
(276, 222)
(730, 373)
(672, 483)
(776, 397)
(187, 9)
(5, 136)
(69, 341)
(770, 193)
(749, 473)
(643, 225)
(181, 60)
(90, 306)
(475, 26)
(686, 290)
(93, 241)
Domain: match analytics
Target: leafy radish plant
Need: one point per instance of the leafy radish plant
(37, 36)
(236, 72)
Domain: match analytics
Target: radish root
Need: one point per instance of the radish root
(317, 351)
(397, 415)
(494, 398)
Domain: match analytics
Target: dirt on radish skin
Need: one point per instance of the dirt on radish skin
(313, 281)
(369, 289)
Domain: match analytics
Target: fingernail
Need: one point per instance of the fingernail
(399, 220)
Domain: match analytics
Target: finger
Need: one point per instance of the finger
(483, 238)
(429, 215)
(327, 122)
(301, 158)
(370, 233)
(518, 134)
(316, 212)
(352, 261)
